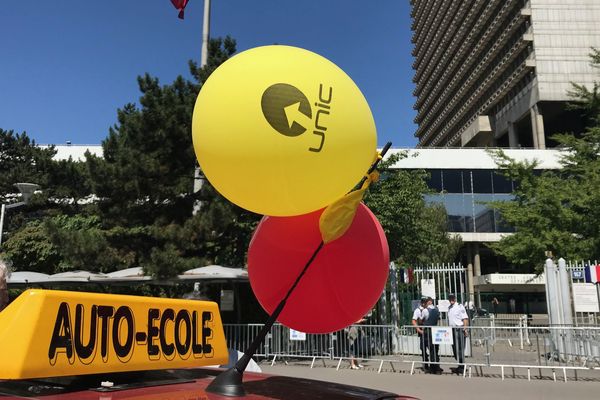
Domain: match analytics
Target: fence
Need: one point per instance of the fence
(406, 287)
(501, 347)
(372, 341)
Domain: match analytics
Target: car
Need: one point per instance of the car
(76, 345)
(181, 384)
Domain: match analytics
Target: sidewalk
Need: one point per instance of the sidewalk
(445, 386)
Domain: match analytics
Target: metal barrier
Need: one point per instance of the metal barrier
(499, 347)
(371, 341)
(513, 330)
(538, 347)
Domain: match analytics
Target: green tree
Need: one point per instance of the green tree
(30, 249)
(586, 99)
(145, 181)
(26, 241)
(21, 160)
(416, 232)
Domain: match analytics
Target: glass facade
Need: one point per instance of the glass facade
(465, 194)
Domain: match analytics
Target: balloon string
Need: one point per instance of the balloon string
(242, 363)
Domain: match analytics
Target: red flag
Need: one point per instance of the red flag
(180, 5)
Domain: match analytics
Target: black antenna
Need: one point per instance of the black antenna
(229, 382)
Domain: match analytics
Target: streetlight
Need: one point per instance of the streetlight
(26, 190)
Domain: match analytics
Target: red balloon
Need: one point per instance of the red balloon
(340, 286)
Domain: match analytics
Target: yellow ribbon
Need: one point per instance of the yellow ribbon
(338, 216)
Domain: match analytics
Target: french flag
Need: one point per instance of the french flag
(406, 275)
(592, 273)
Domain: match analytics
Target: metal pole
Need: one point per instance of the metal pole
(565, 288)
(205, 34)
(567, 311)
(394, 294)
(597, 286)
(2, 221)
(198, 179)
(394, 307)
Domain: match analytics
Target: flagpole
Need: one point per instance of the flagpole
(198, 179)
(205, 34)
(598, 292)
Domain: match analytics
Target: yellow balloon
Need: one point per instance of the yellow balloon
(282, 131)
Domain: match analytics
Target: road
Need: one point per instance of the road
(445, 386)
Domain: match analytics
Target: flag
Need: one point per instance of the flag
(592, 273)
(410, 275)
(401, 275)
(407, 275)
(338, 216)
(180, 5)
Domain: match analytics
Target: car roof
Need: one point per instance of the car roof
(180, 384)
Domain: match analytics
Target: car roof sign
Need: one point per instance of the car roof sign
(50, 333)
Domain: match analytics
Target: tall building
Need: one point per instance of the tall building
(498, 72)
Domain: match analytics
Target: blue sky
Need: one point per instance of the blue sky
(66, 65)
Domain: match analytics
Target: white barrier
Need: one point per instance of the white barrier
(502, 348)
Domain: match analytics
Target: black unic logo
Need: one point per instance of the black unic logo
(289, 112)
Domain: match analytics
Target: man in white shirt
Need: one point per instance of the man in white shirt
(419, 315)
(459, 321)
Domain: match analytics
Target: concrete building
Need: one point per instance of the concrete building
(463, 180)
(76, 152)
(498, 72)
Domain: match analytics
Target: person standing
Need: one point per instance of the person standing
(495, 303)
(353, 343)
(459, 321)
(512, 303)
(419, 315)
(433, 317)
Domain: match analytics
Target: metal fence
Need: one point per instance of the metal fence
(522, 346)
(492, 346)
(398, 301)
(372, 341)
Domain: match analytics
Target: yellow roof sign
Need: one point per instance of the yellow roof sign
(45, 333)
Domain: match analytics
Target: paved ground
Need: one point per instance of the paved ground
(445, 386)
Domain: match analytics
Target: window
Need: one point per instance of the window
(482, 181)
(452, 181)
(501, 183)
(435, 180)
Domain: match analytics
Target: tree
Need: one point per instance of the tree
(585, 99)
(556, 211)
(416, 232)
(29, 246)
(21, 160)
(30, 249)
(145, 181)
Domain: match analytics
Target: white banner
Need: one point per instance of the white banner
(441, 335)
(443, 305)
(297, 335)
(585, 297)
(428, 288)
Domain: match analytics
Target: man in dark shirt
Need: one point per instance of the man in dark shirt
(433, 317)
